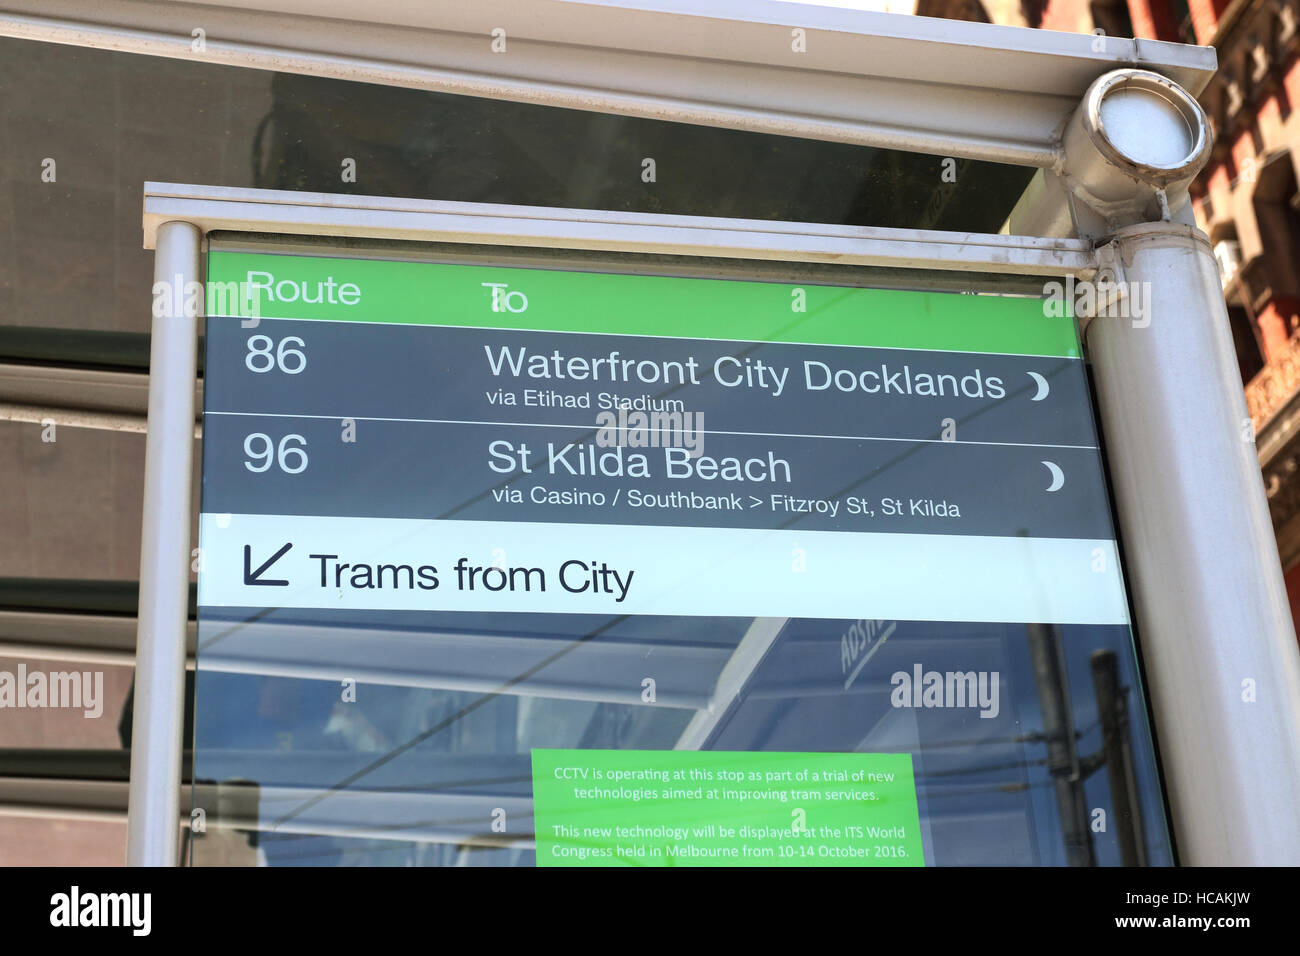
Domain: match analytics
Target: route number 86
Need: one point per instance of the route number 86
(288, 360)
(291, 458)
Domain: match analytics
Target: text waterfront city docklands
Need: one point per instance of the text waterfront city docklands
(731, 371)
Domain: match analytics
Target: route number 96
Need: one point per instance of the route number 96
(290, 457)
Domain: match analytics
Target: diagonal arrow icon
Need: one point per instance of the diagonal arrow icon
(252, 577)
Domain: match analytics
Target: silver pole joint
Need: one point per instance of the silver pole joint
(1131, 149)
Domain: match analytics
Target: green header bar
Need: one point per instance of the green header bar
(481, 296)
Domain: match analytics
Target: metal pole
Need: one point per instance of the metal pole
(1125, 803)
(153, 818)
(1215, 625)
(1062, 752)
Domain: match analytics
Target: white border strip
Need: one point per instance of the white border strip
(214, 208)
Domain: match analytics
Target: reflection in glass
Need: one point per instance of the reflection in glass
(447, 707)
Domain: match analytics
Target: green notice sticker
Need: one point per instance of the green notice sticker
(710, 808)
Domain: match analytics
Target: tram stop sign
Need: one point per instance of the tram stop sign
(483, 443)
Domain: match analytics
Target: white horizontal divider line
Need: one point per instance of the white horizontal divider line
(596, 427)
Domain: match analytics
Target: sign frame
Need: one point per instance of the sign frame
(177, 217)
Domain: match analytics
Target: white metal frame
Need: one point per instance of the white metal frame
(951, 88)
(213, 208)
(1237, 621)
(159, 716)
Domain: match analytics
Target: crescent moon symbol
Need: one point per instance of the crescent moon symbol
(1043, 387)
(1058, 476)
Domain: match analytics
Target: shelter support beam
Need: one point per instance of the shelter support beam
(153, 814)
(1213, 617)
